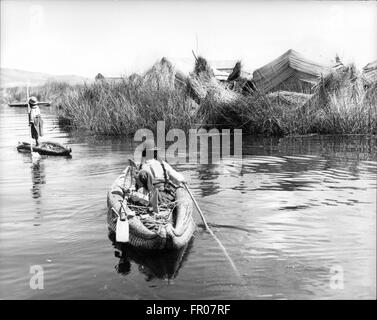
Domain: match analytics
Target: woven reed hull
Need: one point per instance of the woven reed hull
(169, 237)
(43, 149)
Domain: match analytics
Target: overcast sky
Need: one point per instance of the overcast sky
(121, 37)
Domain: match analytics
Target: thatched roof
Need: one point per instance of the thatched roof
(291, 67)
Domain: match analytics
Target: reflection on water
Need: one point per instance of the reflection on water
(152, 264)
(38, 177)
(207, 179)
(287, 212)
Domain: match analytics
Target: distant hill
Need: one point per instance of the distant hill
(16, 78)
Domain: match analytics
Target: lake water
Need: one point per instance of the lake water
(290, 214)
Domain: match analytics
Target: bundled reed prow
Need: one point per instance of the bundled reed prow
(204, 86)
(202, 68)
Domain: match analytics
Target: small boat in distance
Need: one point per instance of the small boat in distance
(46, 148)
(24, 104)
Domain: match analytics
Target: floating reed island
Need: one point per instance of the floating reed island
(289, 96)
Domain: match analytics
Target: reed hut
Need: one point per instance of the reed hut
(289, 72)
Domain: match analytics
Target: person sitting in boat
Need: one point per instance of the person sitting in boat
(35, 120)
(157, 177)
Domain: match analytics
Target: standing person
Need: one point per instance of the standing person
(35, 120)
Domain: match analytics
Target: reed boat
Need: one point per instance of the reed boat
(171, 228)
(24, 105)
(46, 148)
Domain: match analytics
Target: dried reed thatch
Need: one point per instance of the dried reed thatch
(240, 81)
(371, 94)
(161, 75)
(203, 84)
(290, 72)
(288, 98)
(202, 67)
(135, 79)
(370, 73)
(236, 73)
(345, 82)
(342, 104)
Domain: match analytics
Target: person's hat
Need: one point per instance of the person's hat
(33, 101)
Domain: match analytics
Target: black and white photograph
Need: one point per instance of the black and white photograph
(188, 150)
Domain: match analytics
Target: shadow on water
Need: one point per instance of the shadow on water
(152, 264)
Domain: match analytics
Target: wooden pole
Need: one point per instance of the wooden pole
(29, 118)
(212, 234)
